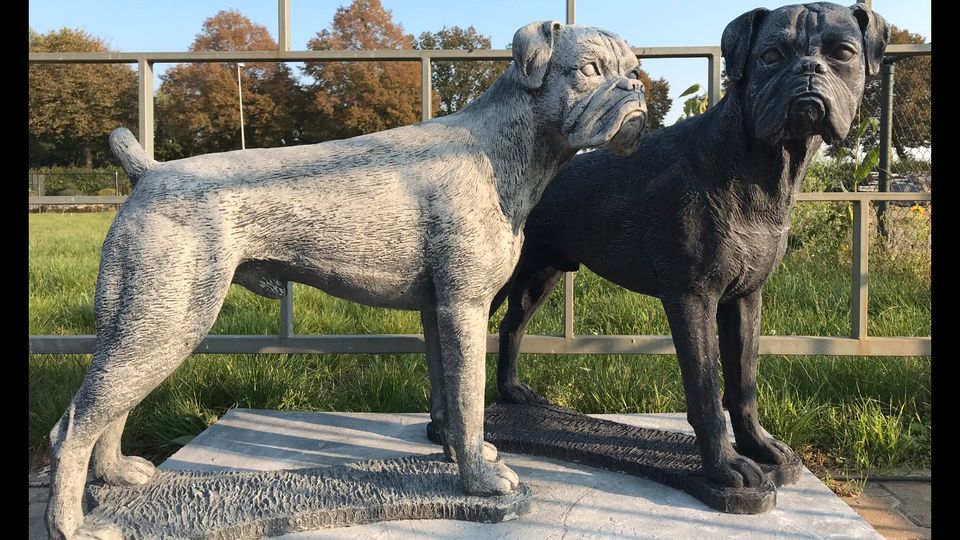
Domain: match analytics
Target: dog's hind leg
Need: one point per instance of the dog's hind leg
(114, 468)
(155, 302)
(738, 323)
(528, 291)
(691, 322)
(436, 430)
(463, 336)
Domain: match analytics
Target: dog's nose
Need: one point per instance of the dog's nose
(634, 85)
(809, 65)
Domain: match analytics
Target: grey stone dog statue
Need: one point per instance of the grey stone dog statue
(698, 216)
(426, 217)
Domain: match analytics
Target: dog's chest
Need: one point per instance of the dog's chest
(753, 251)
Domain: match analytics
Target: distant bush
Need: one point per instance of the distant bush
(822, 228)
(910, 167)
(79, 181)
(825, 225)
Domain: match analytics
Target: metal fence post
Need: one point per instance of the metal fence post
(283, 44)
(860, 275)
(283, 30)
(286, 312)
(713, 79)
(886, 138)
(145, 110)
(568, 276)
(426, 89)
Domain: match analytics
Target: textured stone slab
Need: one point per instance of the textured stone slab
(668, 457)
(232, 505)
(569, 499)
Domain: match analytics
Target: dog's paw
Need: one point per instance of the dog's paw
(433, 433)
(489, 452)
(736, 471)
(767, 450)
(127, 471)
(519, 393)
(492, 478)
(97, 529)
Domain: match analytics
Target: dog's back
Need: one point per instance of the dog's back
(601, 203)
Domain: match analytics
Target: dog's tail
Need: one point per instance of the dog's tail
(130, 154)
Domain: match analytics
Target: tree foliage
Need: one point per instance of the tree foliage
(911, 97)
(198, 109)
(352, 98)
(458, 83)
(657, 96)
(73, 107)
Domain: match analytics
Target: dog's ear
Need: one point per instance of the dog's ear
(532, 49)
(876, 35)
(737, 40)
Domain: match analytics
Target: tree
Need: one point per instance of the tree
(352, 98)
(73, 107)
(911, 101)
(657, 96)
(458, 83)
(198, 108)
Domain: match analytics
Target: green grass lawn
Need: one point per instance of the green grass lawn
(850, 413)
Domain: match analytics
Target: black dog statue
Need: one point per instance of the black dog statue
(698, 216)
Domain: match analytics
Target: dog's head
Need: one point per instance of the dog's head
(803, 67)
(586, 78)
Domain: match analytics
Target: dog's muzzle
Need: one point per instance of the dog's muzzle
(628, 136)
(806, 116)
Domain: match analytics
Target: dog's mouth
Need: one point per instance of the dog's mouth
(625, 141)
(808, 116)
(607, 115)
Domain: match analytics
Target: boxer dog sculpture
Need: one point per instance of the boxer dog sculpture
(426, 217)
(698, 216)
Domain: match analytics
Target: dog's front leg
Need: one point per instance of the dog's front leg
(691, 322)
(738, 322)
(463, 335)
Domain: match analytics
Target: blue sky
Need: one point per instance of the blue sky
(139, 25)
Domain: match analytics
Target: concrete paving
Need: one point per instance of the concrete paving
(571, 500)
(896, 510)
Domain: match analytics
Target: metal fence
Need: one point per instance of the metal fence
(857, 343)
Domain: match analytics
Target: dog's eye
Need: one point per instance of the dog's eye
(843, 53)
(590, 70)
(771, 56)
(634, 74)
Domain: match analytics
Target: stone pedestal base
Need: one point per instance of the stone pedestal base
(569, 498)
(228, 505)
(667, 457)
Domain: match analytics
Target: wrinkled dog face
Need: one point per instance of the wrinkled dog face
(588, 78)
(804, 66)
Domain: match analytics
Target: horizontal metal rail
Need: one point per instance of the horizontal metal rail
(54, 200)
(538, 344)
(372, 55)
